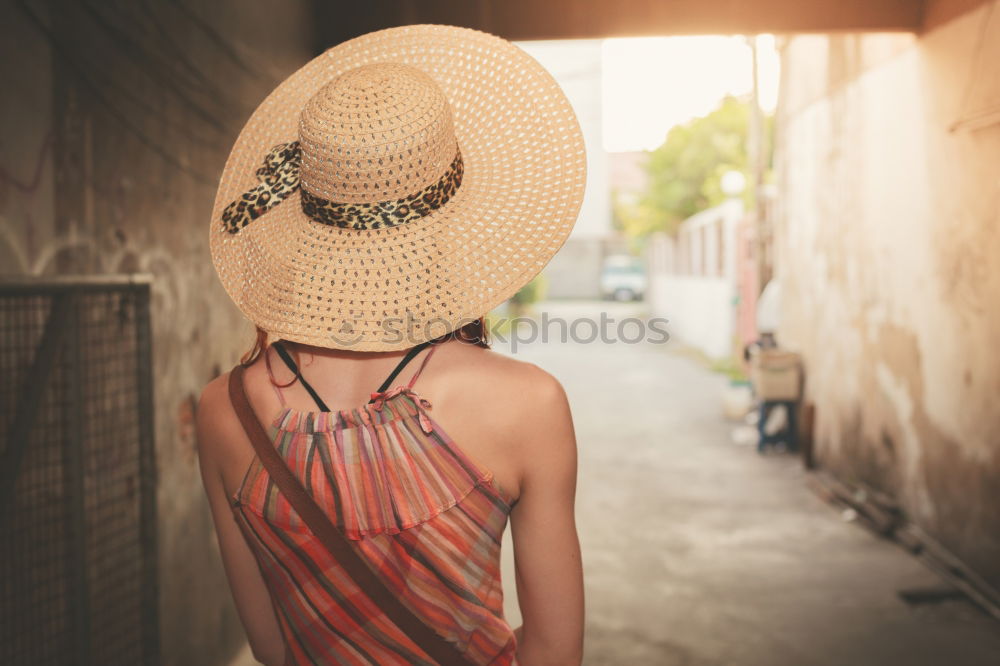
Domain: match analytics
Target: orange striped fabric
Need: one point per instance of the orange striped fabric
(426, 517)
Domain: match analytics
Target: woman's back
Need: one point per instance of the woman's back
(421, 478)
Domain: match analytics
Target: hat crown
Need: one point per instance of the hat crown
(375, 133)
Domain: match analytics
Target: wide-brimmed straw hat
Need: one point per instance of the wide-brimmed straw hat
(396, 187)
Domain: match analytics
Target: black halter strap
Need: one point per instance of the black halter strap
(399, 367)
(287, 358)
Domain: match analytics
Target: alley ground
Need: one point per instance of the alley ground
(698, 551)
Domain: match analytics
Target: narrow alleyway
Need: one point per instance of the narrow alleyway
(698, 551)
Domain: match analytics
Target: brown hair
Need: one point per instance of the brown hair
(473, 333)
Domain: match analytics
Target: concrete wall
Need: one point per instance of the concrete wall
(116, 122)
(887, 241)
(575, 270)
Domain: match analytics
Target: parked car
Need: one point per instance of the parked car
(623, 279)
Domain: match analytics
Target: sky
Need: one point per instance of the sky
(650, 84)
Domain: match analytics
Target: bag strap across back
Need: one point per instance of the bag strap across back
(332, 538)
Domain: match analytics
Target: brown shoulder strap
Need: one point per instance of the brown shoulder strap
(332, 538)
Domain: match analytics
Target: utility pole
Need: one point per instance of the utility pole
(756, 152)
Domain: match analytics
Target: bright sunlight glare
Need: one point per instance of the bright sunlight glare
(650, 84)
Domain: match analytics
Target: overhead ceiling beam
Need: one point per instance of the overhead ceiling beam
(581, 19)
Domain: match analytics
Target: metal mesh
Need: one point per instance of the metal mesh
(77, 498)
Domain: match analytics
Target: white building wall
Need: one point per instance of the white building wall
(695, 289)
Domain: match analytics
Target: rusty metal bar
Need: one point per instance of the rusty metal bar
(74, 479)
(148, 482)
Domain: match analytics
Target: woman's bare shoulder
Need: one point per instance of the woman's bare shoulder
(496, 370)
(213, 400)
(514, 389)
(215, 419)
(214, 404)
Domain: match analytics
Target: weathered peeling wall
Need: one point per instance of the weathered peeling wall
(887, 244)
(117, 119)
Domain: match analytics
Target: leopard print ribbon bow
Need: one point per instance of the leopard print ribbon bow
(422, 404)
(279, 177)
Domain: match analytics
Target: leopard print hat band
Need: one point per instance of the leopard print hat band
(279, 177)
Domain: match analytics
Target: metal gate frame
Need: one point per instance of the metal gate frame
(58, 338)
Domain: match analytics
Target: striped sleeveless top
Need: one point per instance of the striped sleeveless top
(426, 517)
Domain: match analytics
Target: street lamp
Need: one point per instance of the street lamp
(733, 183)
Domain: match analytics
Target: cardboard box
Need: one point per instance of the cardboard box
(776, 374)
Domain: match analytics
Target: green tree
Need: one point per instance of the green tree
(686, 170)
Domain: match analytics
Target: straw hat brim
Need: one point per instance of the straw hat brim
(391, 288)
